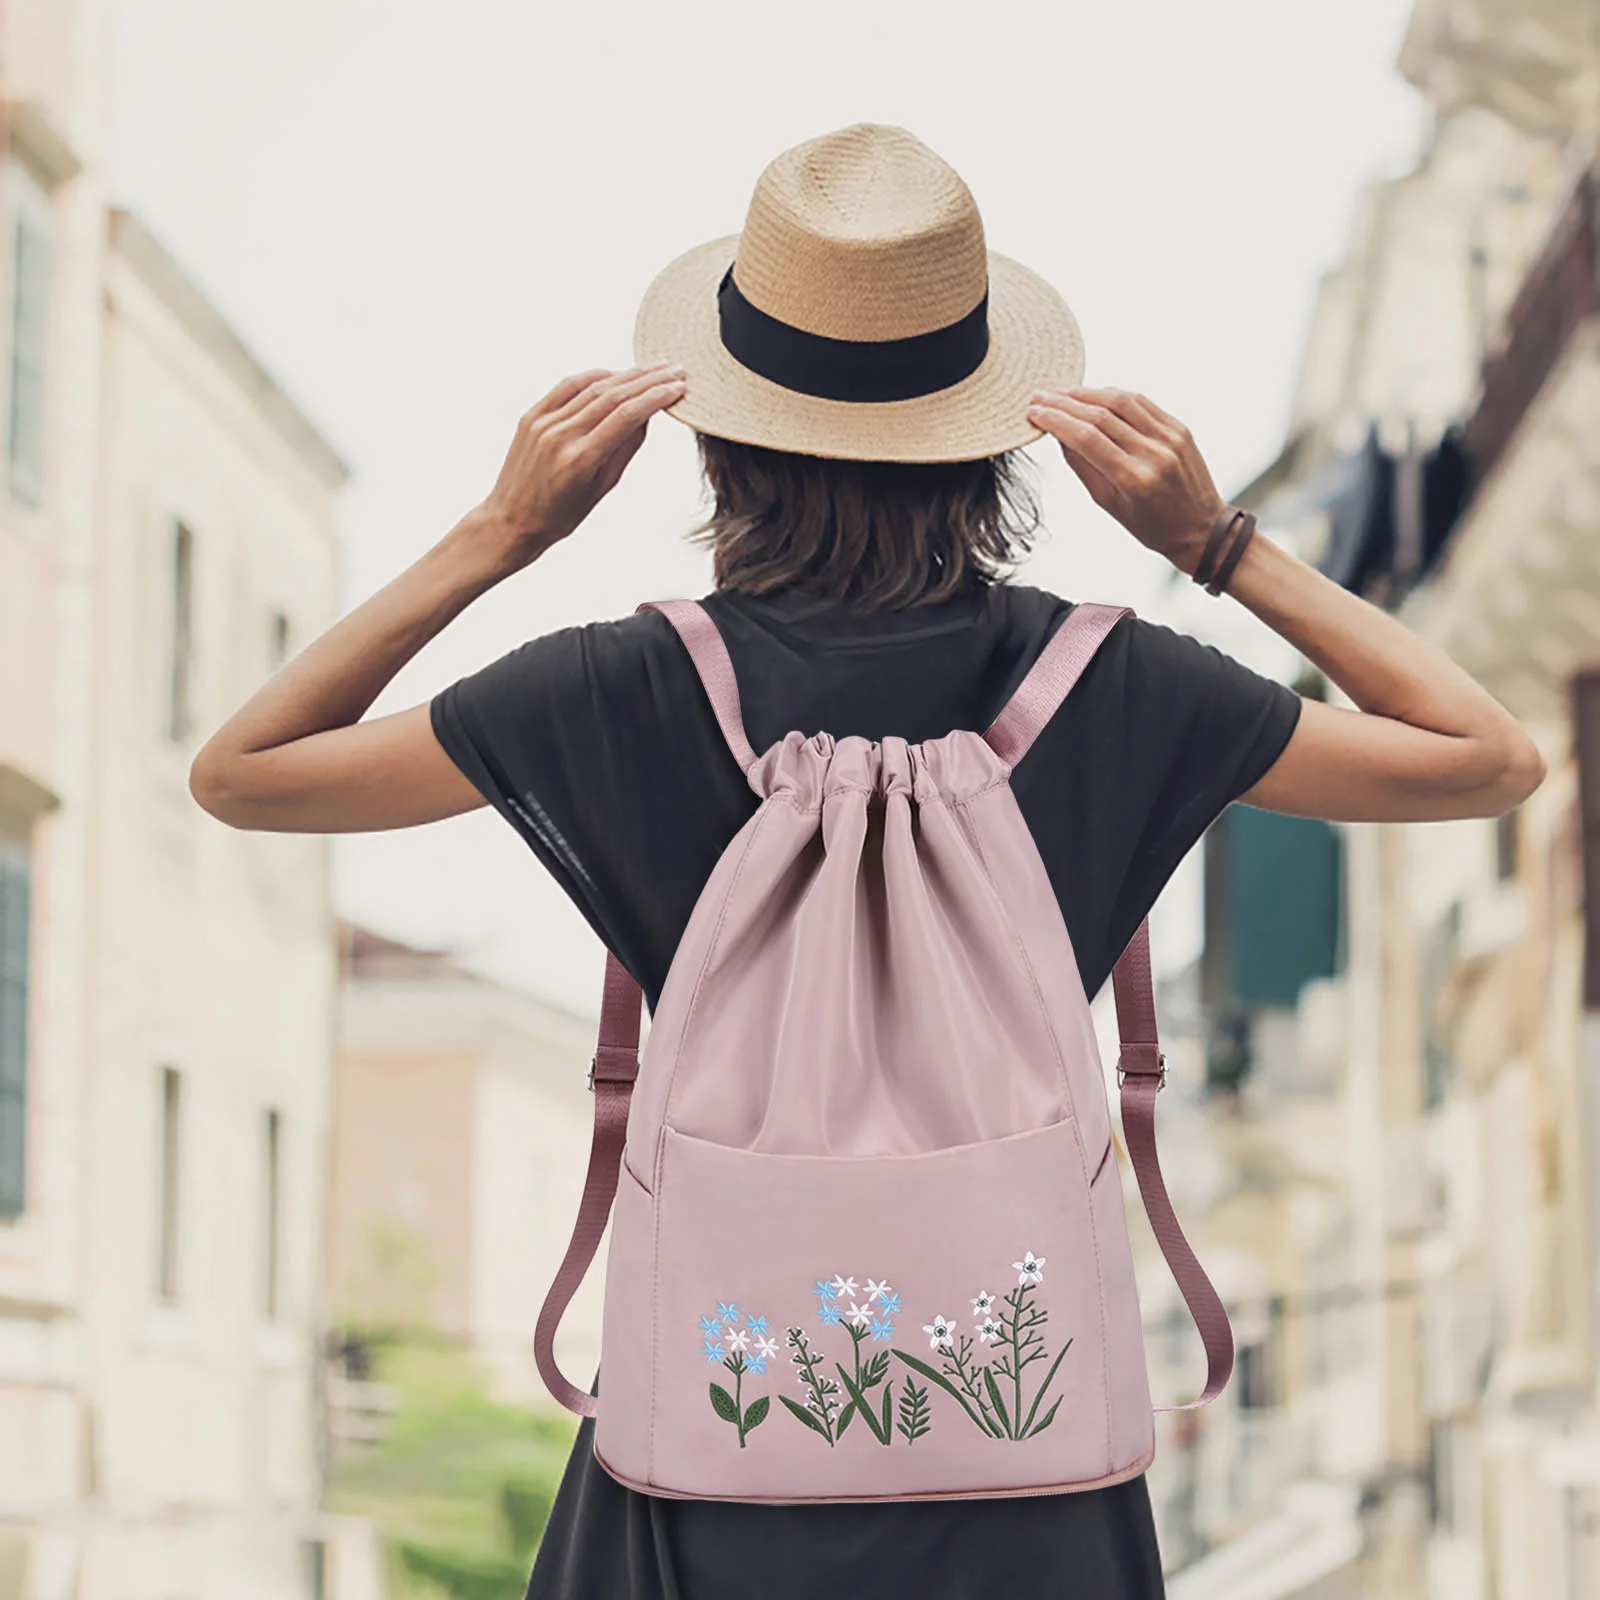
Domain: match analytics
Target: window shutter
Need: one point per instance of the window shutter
(1284, 887)
(14, 897)
(30, 311)
(1586, 744)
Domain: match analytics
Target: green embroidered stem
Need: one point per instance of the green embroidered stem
(817, 1414)
(1023, 1345)
(958, 1362)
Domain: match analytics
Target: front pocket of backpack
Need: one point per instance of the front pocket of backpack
(858, 1327)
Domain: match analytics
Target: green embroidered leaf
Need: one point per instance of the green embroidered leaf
(913, 1411)
(867, 1415)
(845, 1416)
(757, 1413)
(1049, 1378)
(722, 1404)
(996, 1401)
(888, 1417)
(934, 1376)
(1046, 1419)
(805, 1416)
(872, 1374)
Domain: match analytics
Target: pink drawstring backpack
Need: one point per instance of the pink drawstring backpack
(868, 1238)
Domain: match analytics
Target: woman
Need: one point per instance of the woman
(857, 385)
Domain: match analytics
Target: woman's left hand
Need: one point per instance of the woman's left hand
(1139, 463)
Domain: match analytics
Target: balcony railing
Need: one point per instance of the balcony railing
(1561, 289)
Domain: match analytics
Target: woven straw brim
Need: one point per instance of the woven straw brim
(1034, 343)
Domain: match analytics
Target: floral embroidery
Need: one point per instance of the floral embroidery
(1030, 1270)
(727, 1344)
(985, 1371)
(1014, 1329)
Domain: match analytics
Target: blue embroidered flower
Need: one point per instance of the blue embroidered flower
(832, 1316)
(712, 1350)
(882, 1330)
(727, 1311)
(710, 1325)
(891, 1305)
(823, 1289)
(757, 1363)
(754, 1323)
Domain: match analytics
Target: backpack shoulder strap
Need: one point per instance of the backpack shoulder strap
(1142, 1071)
(712, 661)
(611, 1077)
(1141, 1068)
(1038, 697)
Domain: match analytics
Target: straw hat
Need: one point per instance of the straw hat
(859, 314)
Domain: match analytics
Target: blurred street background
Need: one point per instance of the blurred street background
(291, 1133)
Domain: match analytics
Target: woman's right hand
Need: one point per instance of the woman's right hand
(568, 452)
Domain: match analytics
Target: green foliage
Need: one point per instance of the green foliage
(463, 1486)
(914, 1418)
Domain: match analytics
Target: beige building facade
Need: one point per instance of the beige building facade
(167, 987)
(1419, 1212)
(461, 1136)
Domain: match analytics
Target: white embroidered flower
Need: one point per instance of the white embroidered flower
(878, 1291)
(1030, 1270)
(859, 1316)
(736, 1338)
(767, 1349)
(989, 1330)
(941, 1333)
(982, 1303)
(844, 1289)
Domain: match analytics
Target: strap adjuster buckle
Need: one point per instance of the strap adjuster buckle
(623, 1067)
(1158, 1071)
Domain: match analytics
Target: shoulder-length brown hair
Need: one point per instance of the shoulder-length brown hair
(875, 535)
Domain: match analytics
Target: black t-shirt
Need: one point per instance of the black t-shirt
(598, 745)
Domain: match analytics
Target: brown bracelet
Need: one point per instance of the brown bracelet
(1225, 519)
(1247, 528)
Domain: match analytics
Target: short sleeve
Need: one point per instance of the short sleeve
(565, 735)
(1159, 735)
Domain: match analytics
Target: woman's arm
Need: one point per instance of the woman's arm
(297, 758)
(1426, 741)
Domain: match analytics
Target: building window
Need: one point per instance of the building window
(180, 682)
(1507, 829)
(278, 648)
(1256, 1370)
(29, 266)
(14, 897)
(169, 1183)
(271, 1213)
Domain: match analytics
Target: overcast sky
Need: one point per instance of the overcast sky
(420, 216)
